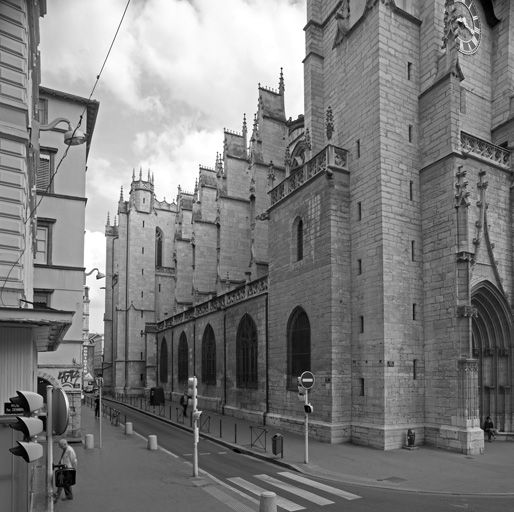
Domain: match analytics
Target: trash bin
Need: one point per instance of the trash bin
(156, 396)
(277, 442)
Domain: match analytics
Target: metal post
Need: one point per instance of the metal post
(100, 406)
(49, 451)
(306, 428)
(195, 448)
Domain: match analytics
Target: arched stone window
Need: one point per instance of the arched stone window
(163, 361)
(182, 360)
(158, 247)
(298, 346)
(246, 353)
(208, 356)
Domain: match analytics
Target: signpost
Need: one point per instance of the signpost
(306, 382)
(100, 384)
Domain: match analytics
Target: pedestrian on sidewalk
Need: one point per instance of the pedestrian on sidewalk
(97, 406)
(183, 402)
(68, 460)
(489, 428)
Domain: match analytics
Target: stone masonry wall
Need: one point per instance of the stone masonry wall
(319, 284)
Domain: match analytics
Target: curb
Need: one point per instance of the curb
(321, 473)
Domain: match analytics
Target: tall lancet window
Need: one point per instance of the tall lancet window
(158, 247)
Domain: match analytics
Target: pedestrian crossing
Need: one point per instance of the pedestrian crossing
(294, 491)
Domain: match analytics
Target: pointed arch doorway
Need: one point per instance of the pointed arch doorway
(492, 346)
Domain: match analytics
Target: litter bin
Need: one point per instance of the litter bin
(156, 396)
(277, 443)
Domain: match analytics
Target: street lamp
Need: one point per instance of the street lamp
(99, 274)
(72, 137)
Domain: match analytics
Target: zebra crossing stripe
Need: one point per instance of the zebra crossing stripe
(255, 489)
(307, 495)
(322, 487)
(228, 500)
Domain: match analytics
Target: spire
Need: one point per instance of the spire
(108, 223)
(133, 174)
(245, 128)
(148, 179)
(281, 83)
(140, 173)
(255, 131)
(121, 194)
(245, 133)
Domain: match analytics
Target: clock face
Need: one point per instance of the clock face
(469, 30)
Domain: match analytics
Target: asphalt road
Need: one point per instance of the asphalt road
(245, 477)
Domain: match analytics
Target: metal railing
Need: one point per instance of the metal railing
(224, 428)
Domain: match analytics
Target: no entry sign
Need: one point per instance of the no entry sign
(307, 380)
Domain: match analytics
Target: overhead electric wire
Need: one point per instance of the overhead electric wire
(33, 211)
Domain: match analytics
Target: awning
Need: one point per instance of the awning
(48, 325)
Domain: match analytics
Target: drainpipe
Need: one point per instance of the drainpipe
(126, 302)
(224, 361)
(172, 366)
(266, 412)
(194, 347)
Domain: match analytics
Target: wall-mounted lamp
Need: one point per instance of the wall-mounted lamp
(99, 275)
(72, 137)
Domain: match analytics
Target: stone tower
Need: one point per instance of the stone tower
(407, 277)
(368, 241)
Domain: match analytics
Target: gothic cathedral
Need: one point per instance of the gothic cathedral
(368, 241)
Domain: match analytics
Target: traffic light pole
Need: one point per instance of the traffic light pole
(306, 398)
(100, 413)
(193, 393)
(195, 446)
(49, 450)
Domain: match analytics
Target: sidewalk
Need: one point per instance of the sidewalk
(125, 476)
(424, 469)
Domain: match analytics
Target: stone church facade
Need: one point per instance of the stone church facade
(368, 241)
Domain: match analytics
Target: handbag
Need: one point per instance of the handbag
(65, 477)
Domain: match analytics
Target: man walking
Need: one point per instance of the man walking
(69, 460)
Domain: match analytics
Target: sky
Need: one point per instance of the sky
(179, 73)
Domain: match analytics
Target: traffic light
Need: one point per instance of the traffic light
(192, 392)
(29, 425)
(308, 408)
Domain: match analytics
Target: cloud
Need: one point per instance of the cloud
(179, 73)
(94, 257)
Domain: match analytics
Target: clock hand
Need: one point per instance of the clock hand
(461, 20)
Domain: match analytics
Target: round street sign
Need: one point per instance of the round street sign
(307, 380)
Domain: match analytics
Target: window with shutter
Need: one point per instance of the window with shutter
(44, 171)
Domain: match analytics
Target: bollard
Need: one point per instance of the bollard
(152, 442)
(268, 502)
(128, 428)
(90, 441)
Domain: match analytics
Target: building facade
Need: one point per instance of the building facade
(59, 263)
(368, 241)
(29, 327)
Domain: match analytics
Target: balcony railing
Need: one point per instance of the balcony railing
(330, 157)
(485, 150)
